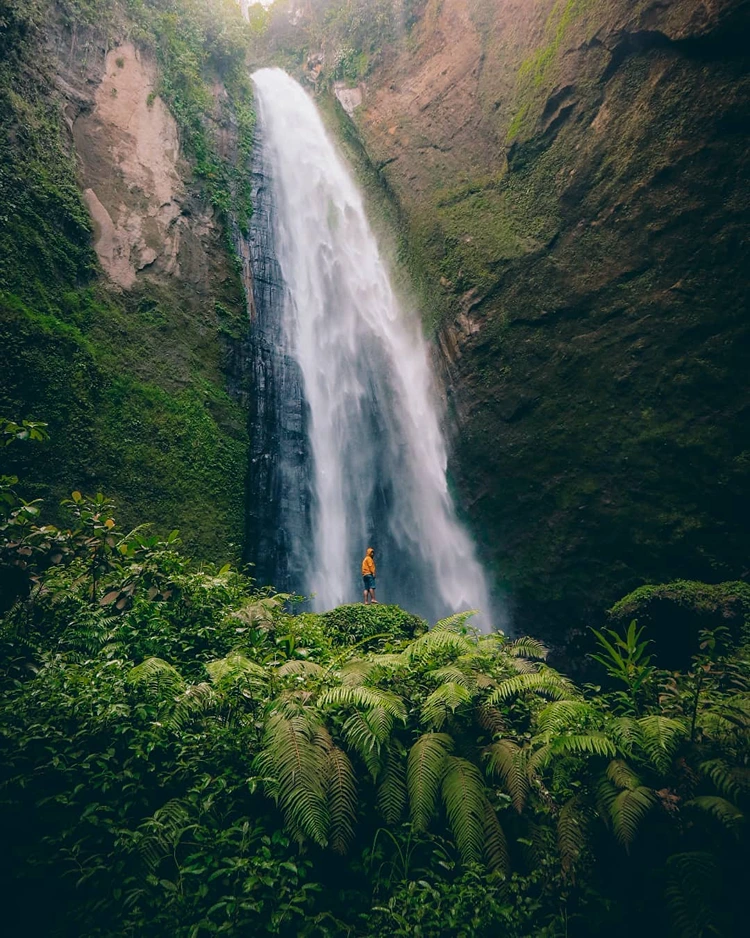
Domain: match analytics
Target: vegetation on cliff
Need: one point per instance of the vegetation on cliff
(134, 385)
(183, 756)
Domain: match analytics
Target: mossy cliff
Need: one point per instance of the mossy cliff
(570, 181)
(126, 128)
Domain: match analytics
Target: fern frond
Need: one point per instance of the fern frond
(585, 744)
(300, 667)
(730, 780)
(235, 667)
(446, 699)
(392, 791)
(453, 673)
(159, 678)
(455, 623)
(621, 775)
(524, 665)
(724, 811)
(495, 843)
(605, 793)
(546, 683)
(565, 714)
(163, 831)
(342, 799)
(628, 809)
(491, 719)
(357, 671)
(527, 648)
(626, 733)
(365, 732)
(691, 893)
(509, 761)
(539, 759)
(197, 700)
(464, 799)
(437, 643)
(424, 773)
(572, 825)
(359, 696)
(387, 663)
(297, 767)
(660, 738)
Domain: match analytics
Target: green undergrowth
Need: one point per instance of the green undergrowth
(181, 755)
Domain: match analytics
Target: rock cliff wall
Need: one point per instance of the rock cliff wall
(122, 311)
(572, 178)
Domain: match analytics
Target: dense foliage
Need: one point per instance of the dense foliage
(182, 755)
(347, 39)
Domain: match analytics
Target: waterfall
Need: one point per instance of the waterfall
(358, 458)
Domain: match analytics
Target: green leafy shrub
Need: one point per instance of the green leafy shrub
(356, 622)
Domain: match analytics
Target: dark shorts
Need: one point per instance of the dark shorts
(369, 581)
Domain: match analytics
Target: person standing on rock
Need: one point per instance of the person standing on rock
(368, 576)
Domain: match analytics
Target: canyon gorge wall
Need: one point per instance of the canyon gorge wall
(122, 308)
(568, 180)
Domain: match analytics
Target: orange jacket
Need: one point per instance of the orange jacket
(368, 564)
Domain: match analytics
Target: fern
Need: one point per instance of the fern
(453, 673)
(564, 714)
(455, 623)
(726, 813)
(446, 699)
(299, 667)
(509, 761)
(163, 831)
(197, 700)
(357, 671)
(159, 678)
(527, 648)
(730, 780)
(495, 843)
(692, 886)
(424, 773)
(464, 799)
(391, 796)
(297, 766)
(572, 825)
(660, 738)
(492, 719)
(621, 775)
(366, 732)
(626, 733)
(342, 799)
(627, 811)
(437, 643)
(359, 696)
(546, 683)
(593, 744)
(235, 667)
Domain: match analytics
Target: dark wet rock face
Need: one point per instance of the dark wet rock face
(278, 485)
(579, 201)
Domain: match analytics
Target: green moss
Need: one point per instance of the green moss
(537, 71)
(132, 384)
(726, 599)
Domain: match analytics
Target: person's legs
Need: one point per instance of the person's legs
(366, 583)
(372, 597)
(366, 601)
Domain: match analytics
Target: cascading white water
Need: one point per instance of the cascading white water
(378, 453)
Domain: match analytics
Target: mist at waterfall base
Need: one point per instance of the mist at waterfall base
(348, 450)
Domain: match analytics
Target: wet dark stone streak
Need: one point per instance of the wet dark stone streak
(278, 485)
